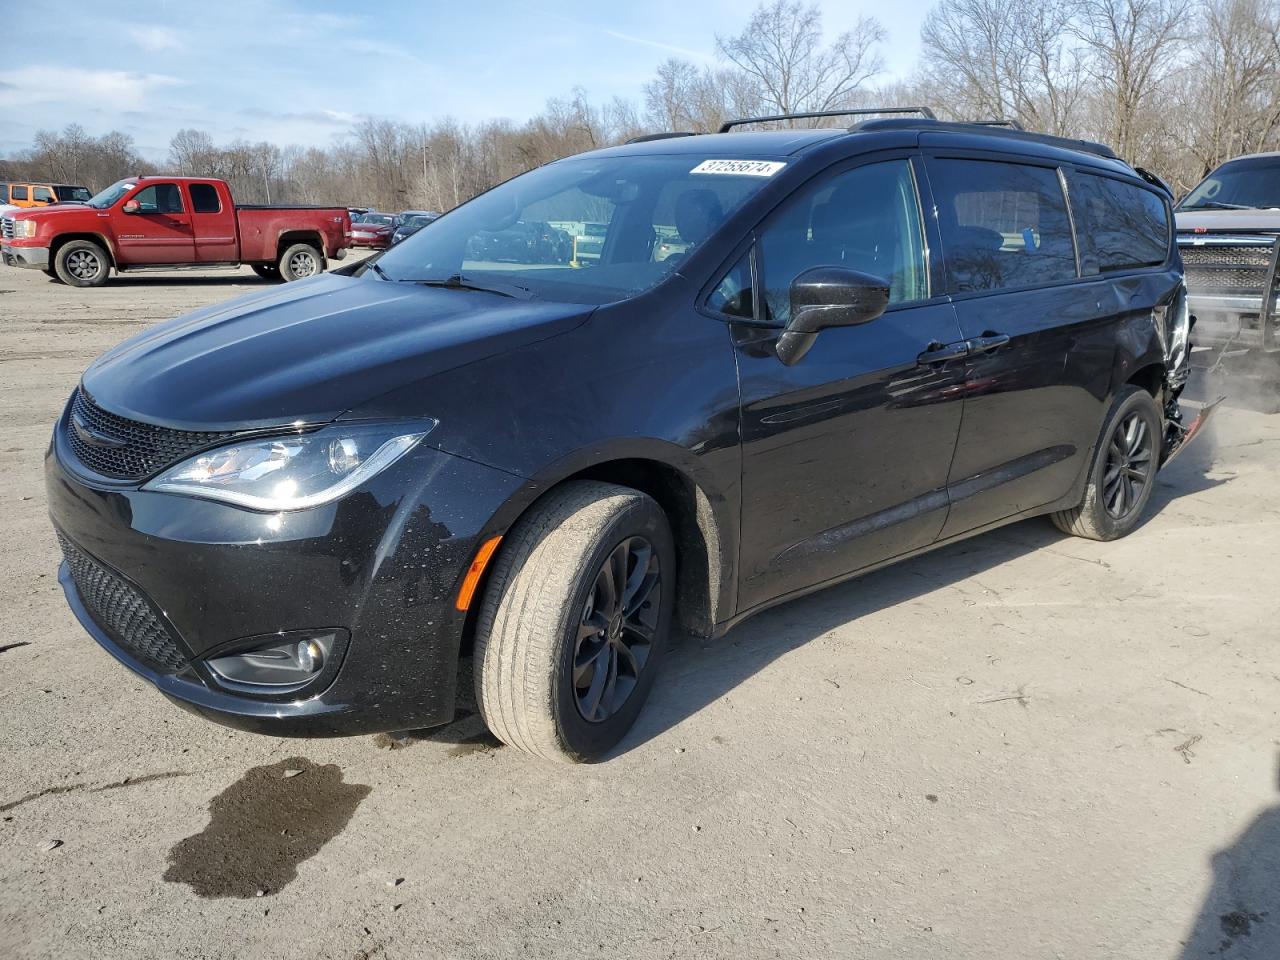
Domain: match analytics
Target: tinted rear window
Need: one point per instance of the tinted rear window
(1122, 225)
(204, 198)
(1004, 225)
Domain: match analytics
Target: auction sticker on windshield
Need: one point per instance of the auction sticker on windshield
(749, 168)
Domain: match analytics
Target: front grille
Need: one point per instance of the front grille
(1241, 269)
(122, 611)
(123, 449)
(6, 228)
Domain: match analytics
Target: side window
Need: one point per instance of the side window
(43, 194)
(732, 295)
(4, 193)
(1003, 225)
(865, 219)
(204, 198)
(159, 198)
(1122, 225)
(20, 193)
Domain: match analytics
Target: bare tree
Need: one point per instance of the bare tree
(781, 50)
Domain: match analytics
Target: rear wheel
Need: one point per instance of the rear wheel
(1123, 475)
(575, 621)
(300, 261)
(82, 263)
(267, 271)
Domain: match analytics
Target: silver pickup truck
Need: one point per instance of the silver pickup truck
(1228, 228)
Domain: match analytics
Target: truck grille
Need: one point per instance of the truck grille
(1242, 269)
(122, 449)
(6, 228)
(124, 613)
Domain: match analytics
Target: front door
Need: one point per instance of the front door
(160, 230)
(845, 454)
(1030, 417)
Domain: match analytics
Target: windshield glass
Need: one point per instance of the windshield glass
(382, 219)
(76, 194)
(107, 197)
(589, 230)
(1241, 185)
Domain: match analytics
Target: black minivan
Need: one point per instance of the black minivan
(295, 512)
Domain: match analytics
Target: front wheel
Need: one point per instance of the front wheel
(575, 621)
(82, 263)
(300, 261)
(1123, 475)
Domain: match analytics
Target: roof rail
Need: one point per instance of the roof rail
(1064, 143)
(861, 112)
(667, 135)
(1011, 124)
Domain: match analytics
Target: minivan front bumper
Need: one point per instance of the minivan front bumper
(169, 582)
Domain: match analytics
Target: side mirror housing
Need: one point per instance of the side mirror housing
(130, 206)
(824, 297)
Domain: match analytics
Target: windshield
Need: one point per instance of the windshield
(417, 220)
(1240, 185)
(586, 230)
(73, 194)
(107, 197)
(382, 219)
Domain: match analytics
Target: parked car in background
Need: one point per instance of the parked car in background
(167, 222)
(1229, 236)
(588, 245)
(525, 241)
(373, 230)
(411, 221)
(295, 513)
(28, 195)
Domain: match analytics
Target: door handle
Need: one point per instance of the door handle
(988, 342)
(942, 352)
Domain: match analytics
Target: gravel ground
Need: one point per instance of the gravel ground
(1024, 745)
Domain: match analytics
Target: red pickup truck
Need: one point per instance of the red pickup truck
(168, 222)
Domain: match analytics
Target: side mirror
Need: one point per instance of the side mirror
(130, 206)
(823, 297)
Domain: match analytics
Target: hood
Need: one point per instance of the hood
(1227, 220)
(49, 210)
(310, 350)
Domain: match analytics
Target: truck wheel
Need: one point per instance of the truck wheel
(575, 621)
(300, 261)
(267, 271)
(82, 263)
(1123, 474)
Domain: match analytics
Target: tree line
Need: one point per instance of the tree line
(1175, 86)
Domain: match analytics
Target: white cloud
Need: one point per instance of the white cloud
(156, 39)
(115, 90)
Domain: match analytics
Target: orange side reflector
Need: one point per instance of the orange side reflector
(468, 589)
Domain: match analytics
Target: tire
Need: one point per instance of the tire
(295, 260)
(1129, 445)
(549, 585)
(82, 263)
(267, 271)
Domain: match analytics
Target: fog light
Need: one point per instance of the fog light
(278, 663)
(310, 655)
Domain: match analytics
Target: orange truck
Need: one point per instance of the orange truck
(41, 194)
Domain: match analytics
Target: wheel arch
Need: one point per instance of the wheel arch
(288, 238)
(706, 575)
(62, 239)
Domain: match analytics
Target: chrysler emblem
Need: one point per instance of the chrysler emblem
(95, 438)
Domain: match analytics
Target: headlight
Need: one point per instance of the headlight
(293, 472)
(24, 228)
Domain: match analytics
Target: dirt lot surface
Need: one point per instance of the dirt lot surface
(1023, 746)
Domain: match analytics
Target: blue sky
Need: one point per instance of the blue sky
(301, 72)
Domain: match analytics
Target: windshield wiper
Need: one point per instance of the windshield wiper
(1221, 205)
(379, 271)
(459, 282)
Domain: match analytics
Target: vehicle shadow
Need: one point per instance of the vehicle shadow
(699, 672)
(1240, 916)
